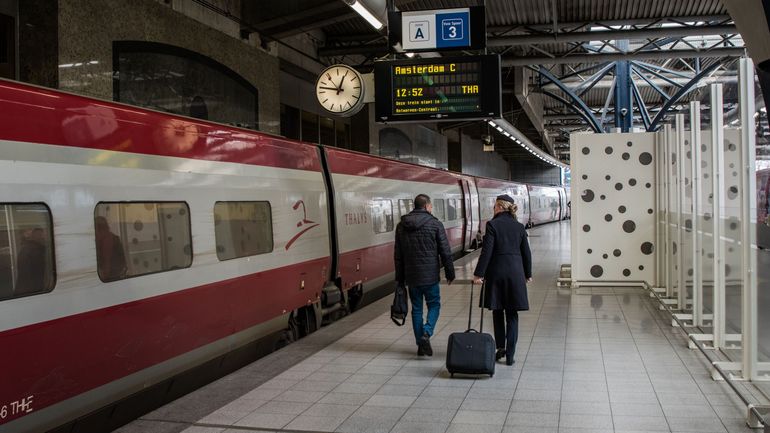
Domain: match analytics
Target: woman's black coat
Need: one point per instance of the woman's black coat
(505, 264)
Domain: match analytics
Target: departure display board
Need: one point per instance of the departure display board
(442, 88)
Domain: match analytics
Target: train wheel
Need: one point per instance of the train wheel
(355, 296)
(306, 322)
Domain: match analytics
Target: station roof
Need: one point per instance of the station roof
(667, 44)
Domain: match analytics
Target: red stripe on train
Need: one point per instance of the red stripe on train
(61, 358)
(359, 164)
(36, 115)
(362, 265)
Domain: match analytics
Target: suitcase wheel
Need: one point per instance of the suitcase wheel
(452, 375)
(492, 375)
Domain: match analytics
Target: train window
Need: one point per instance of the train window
(242, 228)
(26, 250)
(451, 209)
(439, 209)
(139, 238)
(405, 205)
(382, 216)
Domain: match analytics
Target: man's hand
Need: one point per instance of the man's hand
(449, 282)
(477, 280)
(529, 280)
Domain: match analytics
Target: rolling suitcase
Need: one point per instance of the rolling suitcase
(471, 352)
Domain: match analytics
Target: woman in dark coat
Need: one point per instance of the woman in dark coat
(505, 266)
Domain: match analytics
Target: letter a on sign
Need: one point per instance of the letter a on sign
(419, 31)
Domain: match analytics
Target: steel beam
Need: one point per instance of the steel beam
(608, 23)
(640, 103)
(577, 104)
(678, 95)
(623, 108)
(605, 57)
(635, 34)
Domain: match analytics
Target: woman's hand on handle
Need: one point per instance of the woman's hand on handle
(477, 280)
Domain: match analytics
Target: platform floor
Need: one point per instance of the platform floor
(603, 361)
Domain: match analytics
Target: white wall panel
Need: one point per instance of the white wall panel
(614, 204)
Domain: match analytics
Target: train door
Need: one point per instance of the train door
(466, 213)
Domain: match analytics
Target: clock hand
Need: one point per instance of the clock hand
(339, 87)
(328, 88)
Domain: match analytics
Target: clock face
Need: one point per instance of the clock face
(340, 90)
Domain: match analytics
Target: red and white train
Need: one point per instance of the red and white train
(142, 254)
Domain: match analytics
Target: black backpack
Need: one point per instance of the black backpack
(400, 307)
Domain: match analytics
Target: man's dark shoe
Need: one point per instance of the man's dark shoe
(500, 354)
(425, 344)
(420, 350)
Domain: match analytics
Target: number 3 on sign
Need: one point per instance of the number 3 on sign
(452, 32)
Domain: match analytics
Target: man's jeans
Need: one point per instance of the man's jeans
(432, 296)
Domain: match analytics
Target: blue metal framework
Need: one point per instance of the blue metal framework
(625, 91)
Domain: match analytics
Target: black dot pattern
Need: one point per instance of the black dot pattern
(615, 240)
(629, 226)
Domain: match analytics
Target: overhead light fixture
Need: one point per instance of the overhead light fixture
(365, 14)
(410, 55)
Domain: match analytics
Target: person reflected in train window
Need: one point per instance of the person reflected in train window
(420, 251)
(554, 209)
(110, 257)
(198, 108)
(30, 262)
(505, 267)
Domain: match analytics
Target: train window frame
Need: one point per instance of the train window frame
(389, 223)
(452, 205)
(405, 205)
(126, 252)
(52, 254)
(270, 225)
(436, 201)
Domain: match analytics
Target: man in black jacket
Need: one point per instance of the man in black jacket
(420, 242)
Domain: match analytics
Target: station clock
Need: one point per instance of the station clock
(340, 90)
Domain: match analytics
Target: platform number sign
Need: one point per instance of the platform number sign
(453, 29)
(443, 29)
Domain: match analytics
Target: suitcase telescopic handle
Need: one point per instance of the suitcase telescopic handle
(470, 309)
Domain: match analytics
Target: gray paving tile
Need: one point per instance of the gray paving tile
(315, 423)
(402, 390)
(283, 407)
(474, 428)
(266, 420)
(641, 423)
(415, 414)
(585, 407)
(225, 417)
(537, 406)
(300, 396)
(198, 429)
(701, 425)
(479, 417)
(529, 429)
(636, 409)
(344, 398)
(430, 402)
(419, 427)
(471, 403)
(331, 410)
(390, 401)
(585, 421)
(532, 419)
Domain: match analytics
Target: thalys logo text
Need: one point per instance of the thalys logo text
(304, 224)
